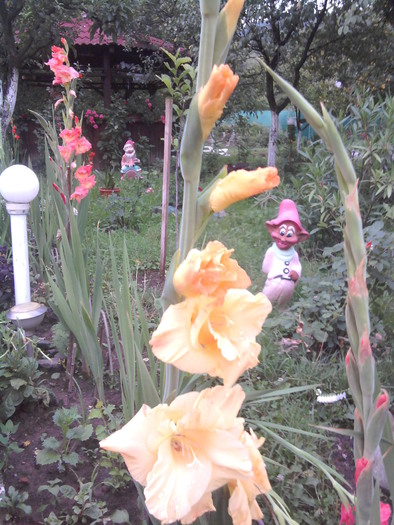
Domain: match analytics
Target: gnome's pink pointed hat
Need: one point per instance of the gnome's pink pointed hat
(288, 213)
(128, 143)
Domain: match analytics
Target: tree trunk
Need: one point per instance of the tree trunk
(8, 92)
(273, 139)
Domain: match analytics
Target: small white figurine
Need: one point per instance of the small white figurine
(281, 262)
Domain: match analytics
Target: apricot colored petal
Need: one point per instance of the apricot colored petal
(131, 441)
(176, 483)
(205, 504)
(241, 184)
(238, 506)
(175, 340)
(209, 272)
(214, 95)
(229, 457)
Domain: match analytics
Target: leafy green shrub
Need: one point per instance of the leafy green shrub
(7, 446)
(19, 374)
(367, 133)
(62, 451)
(14, 504)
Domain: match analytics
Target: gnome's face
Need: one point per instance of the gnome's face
(285, 235)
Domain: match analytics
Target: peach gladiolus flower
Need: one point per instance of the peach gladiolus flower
(201, 336)
(241, 184)
(71, 135)
(82, 145)
(80, 193)
(83, 171)
(214, 95)
(209, 272)
(243, 507)
(183, 451)
(66, 151)
(64, 74)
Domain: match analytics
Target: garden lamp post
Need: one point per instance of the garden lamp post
(19, 186)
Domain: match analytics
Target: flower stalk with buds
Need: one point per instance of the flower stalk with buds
(372, 402)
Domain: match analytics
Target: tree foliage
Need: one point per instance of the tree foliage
(27, 29)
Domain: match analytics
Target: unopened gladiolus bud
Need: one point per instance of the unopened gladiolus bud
(359, 435)
(354, 379)
(383, 399)
(375, 423)
(214, 95)
(225, 28)
(241, 184)
(58, 102)
(71, 113)
(358, 285)
(366, 365)
(72, 93)
(361, 464)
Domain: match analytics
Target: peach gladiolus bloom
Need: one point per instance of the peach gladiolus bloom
(201, 335)
(80, 193)
(83, 171)
(64, 74)
(183, 451)
(243, 507)
(70, 135)
(241, 184)
(82, 145)
(214, 95)
(209, 272)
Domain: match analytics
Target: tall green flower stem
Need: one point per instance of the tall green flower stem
(191, 158)
(371, 428)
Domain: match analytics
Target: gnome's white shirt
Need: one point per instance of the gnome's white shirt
(278, 264)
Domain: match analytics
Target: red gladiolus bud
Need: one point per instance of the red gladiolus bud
(365, 351)
(361, 463)
(382, 399)
(55, 186)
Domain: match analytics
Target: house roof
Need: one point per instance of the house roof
(81, 30)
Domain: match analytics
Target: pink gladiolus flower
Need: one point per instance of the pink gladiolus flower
(347, 516)
(70, 135)
(79, 193)
(66, 151)
(95, 126)
(83, 172)
(149, 190)
(101, 115)
(82, 146)
(64, 74)
(88, 182)
(385, 513)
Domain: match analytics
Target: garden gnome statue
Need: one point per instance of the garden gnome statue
(281, 262)
(129, 164)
